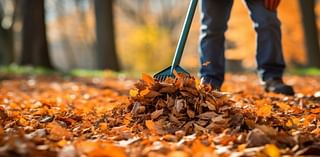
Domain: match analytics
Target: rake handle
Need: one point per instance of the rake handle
(184, 35)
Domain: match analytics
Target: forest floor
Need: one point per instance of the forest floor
(80, 116)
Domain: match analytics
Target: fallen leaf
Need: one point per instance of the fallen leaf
(156, 114)
(134, 92)
(272, 150)
(264, 110)
(257, 138)
(57, 132)
(284, 106)
(151, 126)
(148, 79)
(144, 92)
(315, 111)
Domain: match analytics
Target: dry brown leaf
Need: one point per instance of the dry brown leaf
(168, 89)
(152, 94)
(190, 113)
(156, 114)
(209, 115)
(180, 105)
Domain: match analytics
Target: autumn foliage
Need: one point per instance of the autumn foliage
(99, 117)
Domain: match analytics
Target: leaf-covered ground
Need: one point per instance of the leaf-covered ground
(55, 116)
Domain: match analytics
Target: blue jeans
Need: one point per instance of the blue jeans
(214, 18)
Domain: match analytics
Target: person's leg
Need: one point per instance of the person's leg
(269, 48)
(214, 18)
(269, 55)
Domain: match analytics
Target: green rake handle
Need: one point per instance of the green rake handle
(184, 34)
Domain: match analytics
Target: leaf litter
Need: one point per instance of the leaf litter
(176, 117)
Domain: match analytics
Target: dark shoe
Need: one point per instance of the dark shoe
(276, 85)
(209, 81)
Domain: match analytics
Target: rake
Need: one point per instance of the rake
(175, 66)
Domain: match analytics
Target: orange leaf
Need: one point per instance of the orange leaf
(127, 119)
(199, 149)
(308, 119)
(264, 110)
(58, 132)
(62, 143)
(151, 126)
(1, 131)
(283, 106)
(316, 110)
(147, 78)
(144, 92)
(176, 74)
(99, 149)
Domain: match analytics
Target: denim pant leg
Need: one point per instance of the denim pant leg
(214, 18)
(269, 48)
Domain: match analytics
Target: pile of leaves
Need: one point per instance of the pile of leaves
(175, 106)
(54, 116)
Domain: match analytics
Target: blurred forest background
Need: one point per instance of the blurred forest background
(138, 35)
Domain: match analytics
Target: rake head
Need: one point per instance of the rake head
(162, 75)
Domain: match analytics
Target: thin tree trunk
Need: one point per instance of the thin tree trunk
(311, 32)
(6, 41)
(106, 50)
(34, 40)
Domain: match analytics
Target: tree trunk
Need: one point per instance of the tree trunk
(34, 40)
(311, 32)
(6, 41)
(106, 49)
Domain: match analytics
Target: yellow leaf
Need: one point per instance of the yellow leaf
(241, 147)
(144, 92)
(264, 110)
(293, 122)
(147, 78)
(133, 92)
(272, 150)
(62, 143)
(283, 106)
(23, 122)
